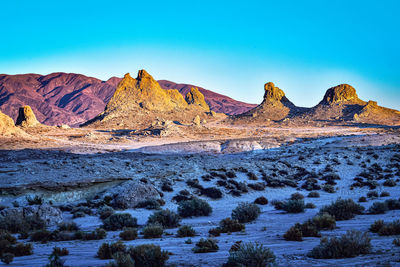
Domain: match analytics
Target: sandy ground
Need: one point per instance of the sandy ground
(87, 164)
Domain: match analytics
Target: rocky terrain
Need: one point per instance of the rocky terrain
(71, 99)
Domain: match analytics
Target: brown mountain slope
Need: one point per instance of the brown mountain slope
(56, 98)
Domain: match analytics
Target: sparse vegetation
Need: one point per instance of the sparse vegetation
(385, 229)
(205, 246)
(118, 221)
(378, 208)
(251, 254)
(165, 218)
(313, 194)
(153, 231)
(343, 209)
(293, 206)
(351, 244)
(105, 212)
(186, 231)
(229, 226)
(128, 234)
(261, 201)
(148, 255)
(246, 212)
(36, 200)
(106, 250)
(212, 192)
(194, 207)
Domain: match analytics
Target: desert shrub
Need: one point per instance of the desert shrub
(36, 200)
(97, 234)
(314, 194)
(294, 233)
(128, 234)
(246, 212)
(324, 221)
(309, 229)
(106, 250)
(392, 228)
(122, 259)
(194, 207)
(17, 223)
(343, 209)
(212, 192)
(41, 236)
(310, 205)
(378, 208)
(118, 221)
(252, 176)
(148, 255)
(328, 188)
(105, 212)
(377, 226)
(362, 199)
(22, 249)
(278, 204)
(257, 186)
(186, 231)
(261, 201)
(194, 183)
(351, 244)
(5, 235)
(55, 261)
(230, 174)
(206, 245)
(229, 226)
(249, 255)
(150, 204)
(68, 226)
(293, 206)
(166, 218)
(393, 204)
(81, 211)
(296, 196)
(166, 187)
(372, 194)
(153, 231)
(7, 258)
(215, 231)
(60, 251)
(385, 194)
(389, 182)
(396, 242)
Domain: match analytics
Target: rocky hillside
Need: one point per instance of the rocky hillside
(69, 98)
(140, 102)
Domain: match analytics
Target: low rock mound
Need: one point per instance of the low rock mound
(131, 193)
(49, 214)
(26, 117)
(7, 127)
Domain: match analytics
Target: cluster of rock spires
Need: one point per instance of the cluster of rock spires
(137, 100)
(339, 104)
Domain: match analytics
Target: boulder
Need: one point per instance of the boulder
(49, 214)
(131, 193)
(26, 117)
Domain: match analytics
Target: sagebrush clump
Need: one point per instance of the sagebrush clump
(343, 209)
(153, 231)
(194, 207)
(349, 245)
(246, 212)
(166, 218)
(205, 246)
(251, 254)
(128, 234)
(186, 231)
(118, 221)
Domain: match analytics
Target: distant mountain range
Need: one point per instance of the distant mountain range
(69, 98)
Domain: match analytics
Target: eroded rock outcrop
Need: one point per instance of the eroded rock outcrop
(342, 93)
(7, 126)
(195, 97)
(26, 117)
(49, 214)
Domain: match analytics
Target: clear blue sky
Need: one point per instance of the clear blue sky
(232, 47)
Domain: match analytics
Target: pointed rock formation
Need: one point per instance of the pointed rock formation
(7, 127)
(144, 92)
(274, 107)
(26, 117)
(195, 97)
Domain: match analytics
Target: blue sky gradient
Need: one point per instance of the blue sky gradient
(231, 47)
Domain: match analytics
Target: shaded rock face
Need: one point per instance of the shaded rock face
(7, 127)
(26, 117)
(194, 97)
(143, 92)
(131, 193)
(340, 93)
(274, 107)
(47, 213)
